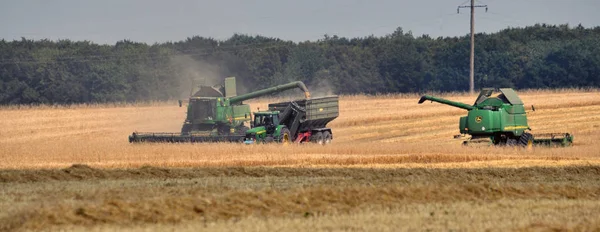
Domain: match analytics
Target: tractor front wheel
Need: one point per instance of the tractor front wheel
(284, 136)
(268, 139)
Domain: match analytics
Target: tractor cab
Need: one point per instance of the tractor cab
(269, 120)
(265, 127)
(266, 118)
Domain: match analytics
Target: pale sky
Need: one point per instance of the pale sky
(150, 21)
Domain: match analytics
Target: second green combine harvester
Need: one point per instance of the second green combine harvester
(500, 119)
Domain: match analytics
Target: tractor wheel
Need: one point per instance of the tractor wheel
(326, 138)
(269, 139)
(284, 136)
(526, 140)
(317, 138)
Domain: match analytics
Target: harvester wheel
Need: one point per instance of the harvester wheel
(186, 128)
(511, 142)
(317, 138)
(284, 136)
(526, 140)
(326, 138)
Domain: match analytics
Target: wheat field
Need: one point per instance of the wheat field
(380, 131)
(393, 165)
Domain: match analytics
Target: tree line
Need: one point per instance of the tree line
(65, 72)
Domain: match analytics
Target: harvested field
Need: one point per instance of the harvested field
(211, 198)
(393, 165)
(371, 131)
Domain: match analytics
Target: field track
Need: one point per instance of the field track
(393, 164)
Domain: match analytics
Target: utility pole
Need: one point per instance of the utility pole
(472, 73)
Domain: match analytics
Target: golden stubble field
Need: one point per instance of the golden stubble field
(393, 165)
(379, 131)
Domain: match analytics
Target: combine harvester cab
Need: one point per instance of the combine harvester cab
(295, 121)
(215, 114)
(499, 118)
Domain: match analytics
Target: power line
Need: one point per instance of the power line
(58, 58)
(93, 31)
(173, 53)
(472, 61)
(150, 55)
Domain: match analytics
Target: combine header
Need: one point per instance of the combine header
(500, 119)
(216, 115)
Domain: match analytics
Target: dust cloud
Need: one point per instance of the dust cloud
(191, 73)
(188, 73)
(321, 88)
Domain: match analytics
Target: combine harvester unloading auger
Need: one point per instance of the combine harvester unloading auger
(219, 115)
(500, 119)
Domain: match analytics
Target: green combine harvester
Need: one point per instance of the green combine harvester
(216, 114)
(500, 119)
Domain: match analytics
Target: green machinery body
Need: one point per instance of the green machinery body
(267, 128)
(501, 117)
(215, 114)
(295, 121)
(226, 115)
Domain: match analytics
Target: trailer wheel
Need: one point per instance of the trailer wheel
(317, 138)
(326, 138)
(284, 136)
